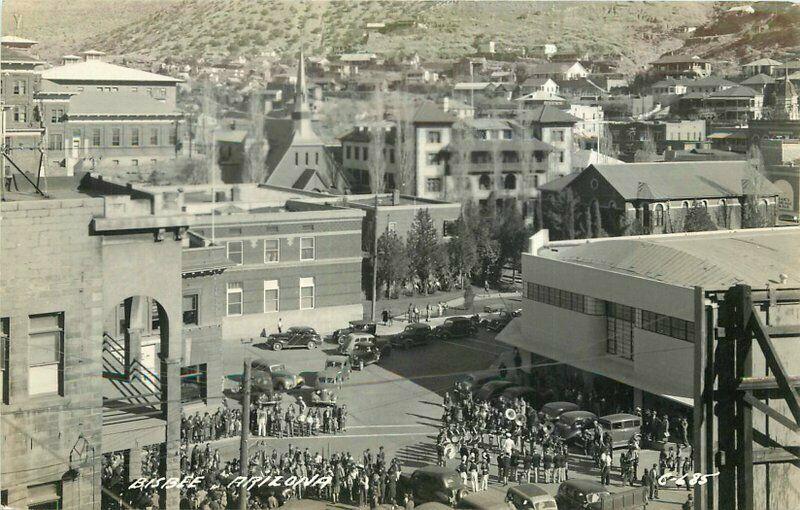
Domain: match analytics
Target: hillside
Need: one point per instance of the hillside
(639, 32)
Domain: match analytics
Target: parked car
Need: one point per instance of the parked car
(622, 428)
(325, 379)
(589, 495)
(455, 327)
(262, 389)
(411, 336)
(354, 327)
(352, 340)
(323, 397)
(341, 364)
(499, 322)
(492, 389)
(364, 355)
(282, 379)
(530, 496)
(433, 483)
(296, 337)
(526, 393)
(570, 425)
(552, 410)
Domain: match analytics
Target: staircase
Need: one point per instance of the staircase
(131, 393)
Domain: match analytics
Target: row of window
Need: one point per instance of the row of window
(297, 158)
(272, 250)
(45, 355)
(235, 303)
(642, 319)
(55, 141)
(362, 153)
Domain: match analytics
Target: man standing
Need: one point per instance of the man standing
(280, 325)
(605, 468)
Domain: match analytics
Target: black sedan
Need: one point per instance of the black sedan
(296, 337)
(455, 327)
(413, 335)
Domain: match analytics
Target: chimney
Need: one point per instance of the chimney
(395, 197)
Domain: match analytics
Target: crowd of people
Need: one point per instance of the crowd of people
(274, 419)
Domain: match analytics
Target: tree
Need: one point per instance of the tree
(392, 261)
(512, 235)
(486, 246)
(422, 248)
(597, 221)
(697, 219)
(559, 211)
(754, 188)
(462, 250)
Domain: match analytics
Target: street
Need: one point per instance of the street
(397, 403)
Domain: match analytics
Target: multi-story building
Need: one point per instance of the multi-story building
(495, 162)
(734, 106)
(781, 158)
(637, 316)
(657, 196)
(432, 131)
(359, 158)
(555, 128)
(23, 132)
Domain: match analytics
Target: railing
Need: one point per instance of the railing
(139, 387)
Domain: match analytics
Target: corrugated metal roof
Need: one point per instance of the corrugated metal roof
(713, 260)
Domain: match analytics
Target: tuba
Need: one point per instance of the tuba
(510, 414)
(450, 451)
(520, 421)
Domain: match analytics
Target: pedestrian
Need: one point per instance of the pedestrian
(385, 316)
(390, 316)
(410, 312)
(486, 286)
(653, 483)
(428, 312)
(416, 314)
(280, 325)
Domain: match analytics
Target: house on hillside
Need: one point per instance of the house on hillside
(766, 66)
(538, 84)
(559, 71)
(676, 66)
(657, 196)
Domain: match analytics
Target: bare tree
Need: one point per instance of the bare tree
(257, 147)
(377, 144)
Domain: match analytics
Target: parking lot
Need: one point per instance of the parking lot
(397, 403)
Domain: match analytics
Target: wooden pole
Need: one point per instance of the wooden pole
(244, 464)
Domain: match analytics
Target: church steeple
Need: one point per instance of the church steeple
(302, 111)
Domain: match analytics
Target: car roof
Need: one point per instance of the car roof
(437, 470)
(529, 490)
(336, 357)
(520, 390)
(418, 325)
(301, 328)
(620, 417)
(560, 404)
(586, 485)
(484, 500)
(495, 384)
(360, 334)
(578, 415)
(329, 372)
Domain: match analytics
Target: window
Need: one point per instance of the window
(5, 348)
(306, 158)
(306, 293)
(316, 158)
(56, 115)
(20, 114)
(115, 136)
(296, 158)
(45, 354)
(272, 292)
(619, 335)
(234, 301)
(348, 152)
(190, 302)
(659, 215)
(272, 250)
(431, 158)
(194, 381)
(564, 299)
(668, 326)
(153, 162)
(154, 136)
(560, 156)
(155, 317)
(96, 134)
(55, 141)
(485, 182)
(433, 185)
(173, 137)
(510, 181)
(46, 496)
(434, 137)
(134, 137)
(134, 89)
(134, 162)
(235, 252)
(538, 156)
(366, 153)
(391, 156)
(483, 134)
(507, 134)
(392, 226)
(357, 151)
(20, 87)
(558, 136)
(307, 248)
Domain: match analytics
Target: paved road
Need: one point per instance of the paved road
(397, 404)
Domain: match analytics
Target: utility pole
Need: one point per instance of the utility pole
(375, 258)
(244, 464)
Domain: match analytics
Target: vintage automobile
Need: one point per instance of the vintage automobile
(262, 389)
(433, 483)
(364, 355)
(282, 379)
(530, 395)
(455, 327)
(354, 327)
(499, 322)
(589, 495)
(552, 410)
(571, 425)
(323, 397)
(353, 340)
(622, 427)
(296, 337)
(411, 336)
(527, 496)
(341, 364)
(325, 379)
(492, 389)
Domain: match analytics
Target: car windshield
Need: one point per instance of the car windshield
(276, 368)
(335, 364)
